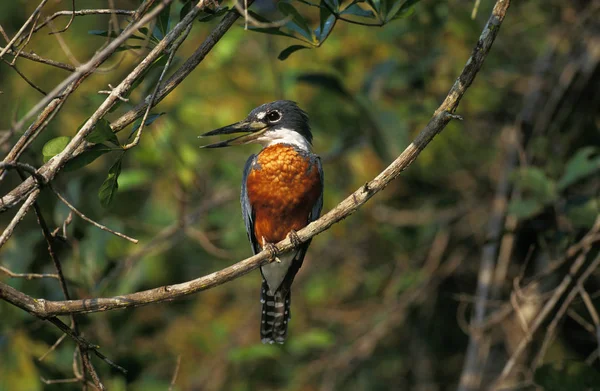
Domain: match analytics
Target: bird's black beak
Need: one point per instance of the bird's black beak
(253, 129)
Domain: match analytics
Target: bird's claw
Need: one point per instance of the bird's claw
(294, 238)
(273, 251)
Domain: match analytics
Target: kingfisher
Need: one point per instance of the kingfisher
(282, 192)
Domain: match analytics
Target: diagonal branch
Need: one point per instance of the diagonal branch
(49, 169)
(443, 115)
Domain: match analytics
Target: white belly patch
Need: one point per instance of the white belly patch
(275, 272)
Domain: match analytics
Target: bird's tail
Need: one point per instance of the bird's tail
(275, 315)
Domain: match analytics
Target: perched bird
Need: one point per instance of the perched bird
(282, 191)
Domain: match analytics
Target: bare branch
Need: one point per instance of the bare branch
(175, 372)
(84, 217)
(34, 57)
(43, 308)
(23, 28)
(172, 50)
(50, 169)
(27, 276)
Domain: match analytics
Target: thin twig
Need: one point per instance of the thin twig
(32, 84)
(34, 57)
(6, 234)
(50, 169)
(71, 19)
(22, 191)
(23, 28)
(172, 50)
(27, 276)
(175, 373)
(53, 347)
(84, 217)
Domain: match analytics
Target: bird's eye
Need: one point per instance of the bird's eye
(273, 116)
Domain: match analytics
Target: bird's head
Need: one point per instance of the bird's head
(281, 121)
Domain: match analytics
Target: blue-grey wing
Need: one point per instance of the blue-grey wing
(247, 212)
(316, 210)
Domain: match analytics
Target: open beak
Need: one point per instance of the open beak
(253, 130)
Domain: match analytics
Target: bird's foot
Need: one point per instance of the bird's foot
(273, 251)
(294, 238)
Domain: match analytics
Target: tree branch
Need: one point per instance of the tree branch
(44, 308)
(22, 191)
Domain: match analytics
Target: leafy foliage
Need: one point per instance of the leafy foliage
(371, 296)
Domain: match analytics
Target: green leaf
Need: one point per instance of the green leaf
(102, 132)
(568, 375)
(185, 9)
(583, 214)
(535, 184)
(271, 31)
(326, 23)
(525, 208)
(406, 9)
(127, 47)
(585, 162)
(285, 53)
(252, 353)
(298, 23)
(131, 179)
(329, 82)
(375, 4)
(109, 187)
(313, 340)
(86, 157)
(355, 10)
(113, 34)
(161, 28)
(54, 147)
(207, 16)
(149, 120)
(267, 30)
(333, 4)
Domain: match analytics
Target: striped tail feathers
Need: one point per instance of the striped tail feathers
(275, 315)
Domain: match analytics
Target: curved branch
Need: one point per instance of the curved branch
(19, 193)
(44, 308)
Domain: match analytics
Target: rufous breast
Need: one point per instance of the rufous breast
(283, 185)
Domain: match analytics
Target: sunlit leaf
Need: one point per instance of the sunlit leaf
(285, 53)
(86, 157)
(298, 23)
(356, 10)
(585, 162)
(131, 179)
(326, 22)
(102, 132)
(54, 147)
(109, 187)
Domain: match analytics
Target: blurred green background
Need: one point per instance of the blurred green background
(384, 296)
